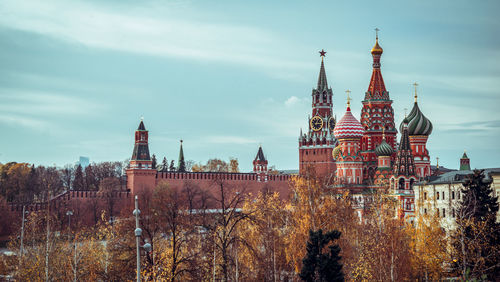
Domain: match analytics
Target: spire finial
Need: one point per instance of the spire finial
(322, 54)
(142, 118)
(181, 141)
(406, 109)
(415, 85)
(437, 162)
(376, 33)
(383, 133)
(348, 98)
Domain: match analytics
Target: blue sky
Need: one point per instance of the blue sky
(226, 76)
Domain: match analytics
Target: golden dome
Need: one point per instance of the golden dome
(377, 49)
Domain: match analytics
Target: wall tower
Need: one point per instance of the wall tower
(316, 145)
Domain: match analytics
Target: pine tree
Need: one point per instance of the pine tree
(153, 162)
(318, 266)
(172, 166)
(164, 164)
(476, 240)
(78, 182)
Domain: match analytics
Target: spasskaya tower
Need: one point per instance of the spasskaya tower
(316, 145)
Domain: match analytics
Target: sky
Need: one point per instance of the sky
(228, 76)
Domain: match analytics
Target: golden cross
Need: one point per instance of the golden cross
(376, 32)
(406, 109)
(383, 132)
(415, 85)
(348, 98)
(437, 162)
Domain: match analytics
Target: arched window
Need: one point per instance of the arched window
(401, 184)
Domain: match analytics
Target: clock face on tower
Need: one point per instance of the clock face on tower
(331, 123)
(316, 123)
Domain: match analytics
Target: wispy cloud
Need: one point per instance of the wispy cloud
(95, 26)
(229, 140)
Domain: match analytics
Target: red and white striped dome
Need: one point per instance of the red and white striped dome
(348, 127)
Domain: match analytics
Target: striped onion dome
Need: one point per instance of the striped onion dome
(418, 124)
(336, 152)
(384, 149)
(348, 127)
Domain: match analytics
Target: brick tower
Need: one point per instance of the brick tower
(465, 162)
(141, 175)
(316, 145)
(376, 114)
(260, 166)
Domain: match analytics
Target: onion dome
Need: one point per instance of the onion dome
(384, 149)
(418, 124)
(336, 152)
(348, 126)
(377, 50)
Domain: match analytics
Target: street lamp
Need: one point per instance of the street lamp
(25, 212)
(138, 233)
(69, 214)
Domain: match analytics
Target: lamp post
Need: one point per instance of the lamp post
(138, 233)
(69, 214)
(21, 251)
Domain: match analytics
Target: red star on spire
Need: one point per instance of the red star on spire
(322, 53)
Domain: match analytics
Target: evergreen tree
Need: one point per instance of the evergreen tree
(172, 166)
(164, 164)
(78, 182)
(91, 182)
(319, 266)
(153, 162)
(476, 240)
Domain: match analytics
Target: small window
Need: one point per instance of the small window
(443, 195)
(425, 195)
(425, 211)
(437, 195)
(452, 212)
(453, 196)
(444, 212)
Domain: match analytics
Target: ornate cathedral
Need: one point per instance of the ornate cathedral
(363, 155)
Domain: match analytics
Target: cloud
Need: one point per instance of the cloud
(150, 33)
(39, 103)
(292, 101)
(221, 139)
(24, 121)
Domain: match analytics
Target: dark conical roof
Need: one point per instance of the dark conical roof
(404, 164)
(322, 83)
(260, 155)
(182, 164)
(141, 126)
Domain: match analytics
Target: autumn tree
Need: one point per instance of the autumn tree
(262, 252)
(315, 206)
(383, 252)
(320, 266)
(428, 247)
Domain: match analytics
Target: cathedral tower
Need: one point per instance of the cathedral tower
(316, 145)
(140, 174)
(377, 114)
(403, 176)
(347, 154)
(419, 129)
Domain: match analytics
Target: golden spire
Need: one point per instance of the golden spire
(348, 98)
(437, 162)
(377, 49)
(415, 85)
